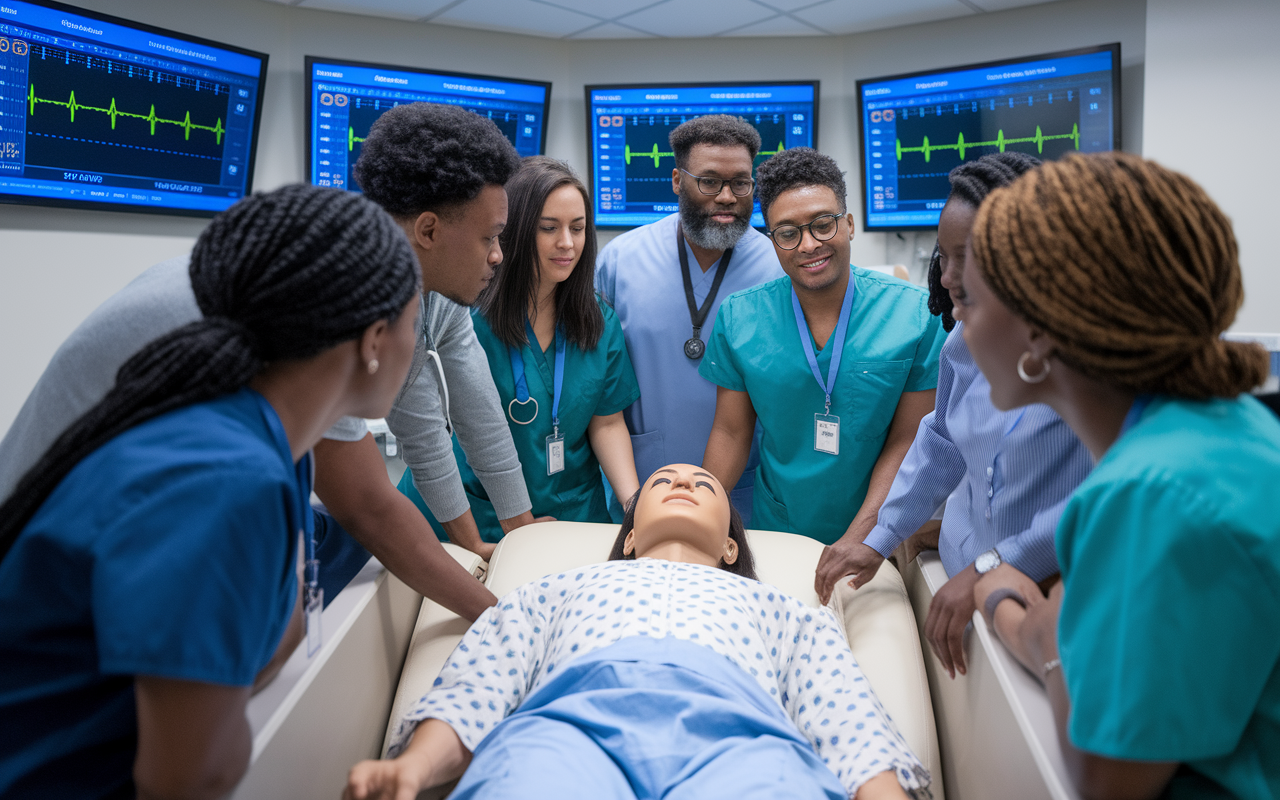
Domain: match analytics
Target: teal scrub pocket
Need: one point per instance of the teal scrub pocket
(868, 393)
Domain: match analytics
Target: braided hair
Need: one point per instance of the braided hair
(971, 182)
(1129, 267)
(279, 276)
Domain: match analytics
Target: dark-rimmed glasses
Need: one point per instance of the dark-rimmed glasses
(788, 236)
(741, 187)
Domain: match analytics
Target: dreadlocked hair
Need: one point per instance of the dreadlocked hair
(1129, 267)
(971, 182)
(279, 276)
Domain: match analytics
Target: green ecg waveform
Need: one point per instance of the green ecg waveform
(352, 139)
(656, 154)
(70, 104)
(961, 145)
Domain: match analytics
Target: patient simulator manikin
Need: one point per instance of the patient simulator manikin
(670, 672)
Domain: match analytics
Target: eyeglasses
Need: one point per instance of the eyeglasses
(741, 187)
(823, 228)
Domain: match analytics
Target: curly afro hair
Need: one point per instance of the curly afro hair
(797, 167)
(427, 157)
(714, 129)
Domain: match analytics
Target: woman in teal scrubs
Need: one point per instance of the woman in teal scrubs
(557, 357)
(1100, 285)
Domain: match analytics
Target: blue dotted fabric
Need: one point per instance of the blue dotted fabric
(795, 653)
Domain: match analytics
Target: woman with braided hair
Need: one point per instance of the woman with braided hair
(1009, 473)
(149, 575)
(1100, 285)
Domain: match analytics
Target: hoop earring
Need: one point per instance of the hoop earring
(1022, 370)
(373, 365)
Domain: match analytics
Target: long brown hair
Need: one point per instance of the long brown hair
(745, 565)
(505, 302)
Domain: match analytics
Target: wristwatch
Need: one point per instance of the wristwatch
(987, 561)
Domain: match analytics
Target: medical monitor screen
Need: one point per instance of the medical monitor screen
(99, 112)
(628, 126)
(916, 128)
(345, 97)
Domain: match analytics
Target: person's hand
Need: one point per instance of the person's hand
(924, 539)
(1008, 619)
(949, 613)
(847, 556)
(398, 779)
(485, 550)
(520, 520)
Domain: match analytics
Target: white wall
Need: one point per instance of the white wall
(1212, 105)
(56, 265)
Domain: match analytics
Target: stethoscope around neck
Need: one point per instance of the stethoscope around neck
(522, 397)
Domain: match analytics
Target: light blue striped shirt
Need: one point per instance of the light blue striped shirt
(1011, 473)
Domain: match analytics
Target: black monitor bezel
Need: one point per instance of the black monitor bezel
(1113, 47)
(309, 62)
(98, 205)
(591, 154)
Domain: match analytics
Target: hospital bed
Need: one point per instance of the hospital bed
(384, 645)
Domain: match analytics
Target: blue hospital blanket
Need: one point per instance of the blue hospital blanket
(648, 718)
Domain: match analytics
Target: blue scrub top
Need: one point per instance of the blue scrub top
(1169, 631)
(638, 274)
(891, 346)
(170, 551)
(597, 383)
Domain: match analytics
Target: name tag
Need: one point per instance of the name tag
(555, 454)
(826, 433)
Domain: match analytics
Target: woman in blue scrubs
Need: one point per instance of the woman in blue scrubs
(149, 579)
(557, 356)
(1100, 285)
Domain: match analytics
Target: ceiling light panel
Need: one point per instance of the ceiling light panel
(687, 18)
(853, 16)
(395, 9)
(777, 26)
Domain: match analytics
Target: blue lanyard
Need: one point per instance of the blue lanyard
(833, 369)
(522, 384)
(1140, 404)
(302, 472)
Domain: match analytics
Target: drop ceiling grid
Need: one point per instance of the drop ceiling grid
(588, 19)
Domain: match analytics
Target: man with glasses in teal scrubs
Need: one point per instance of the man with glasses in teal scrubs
(838, 364)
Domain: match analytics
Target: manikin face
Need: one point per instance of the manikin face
(953, 232)
(996, 337)
(465, 251)
(714, 222)
(813, 265)
(562, 233)
(682, 505)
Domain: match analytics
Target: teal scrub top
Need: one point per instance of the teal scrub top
(597, 383)
(891, 346)
(1169, 631)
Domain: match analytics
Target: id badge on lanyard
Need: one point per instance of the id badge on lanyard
(555, 442)
(826, 426)
(313, 602)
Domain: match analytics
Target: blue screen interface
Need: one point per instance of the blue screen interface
(917, 129)
(631, 158)
(100, 114)
(346, 98)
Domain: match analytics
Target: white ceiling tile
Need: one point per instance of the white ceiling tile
(777, 26)
(852, 16)
(515, 16)
(395, 9)
(791, 5)
(604, 10)
(1001, 5)
(611, 31)
(686, 18)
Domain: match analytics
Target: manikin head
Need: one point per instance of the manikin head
(682, 513)
(720, 149)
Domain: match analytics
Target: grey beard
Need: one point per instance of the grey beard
(705, 232)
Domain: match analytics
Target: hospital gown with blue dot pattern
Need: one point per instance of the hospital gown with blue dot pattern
(796, 653)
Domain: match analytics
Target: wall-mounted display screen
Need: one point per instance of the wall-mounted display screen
(101, 112)
(628, 126)
(916, 128)
(345, 97)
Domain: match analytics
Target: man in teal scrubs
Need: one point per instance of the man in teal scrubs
(839, 365)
